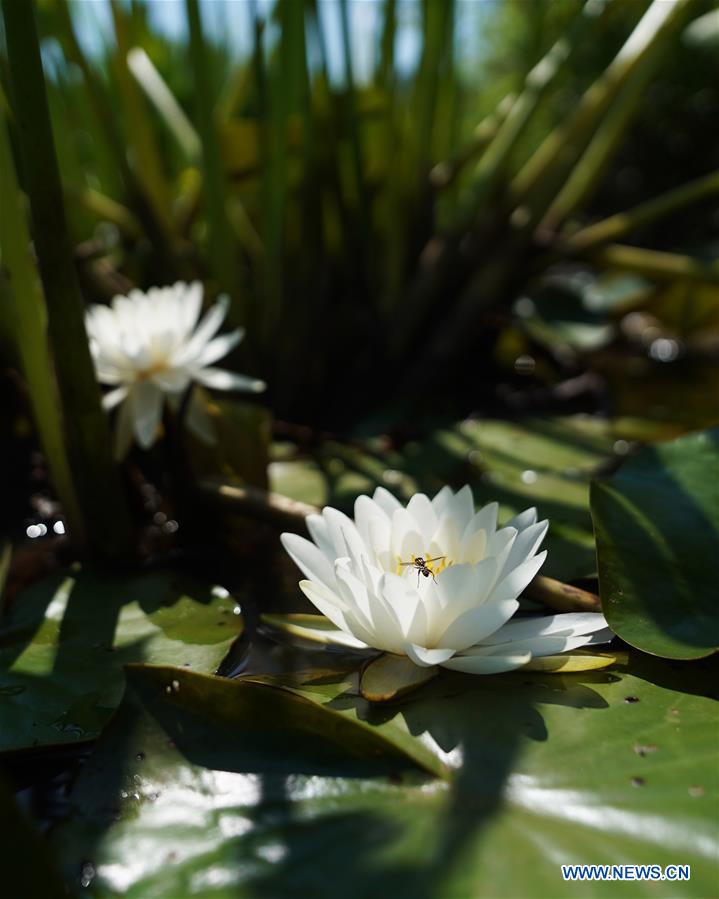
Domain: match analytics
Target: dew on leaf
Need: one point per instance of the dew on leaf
(645, 748)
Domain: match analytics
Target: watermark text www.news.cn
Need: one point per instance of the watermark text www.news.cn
(626, 872)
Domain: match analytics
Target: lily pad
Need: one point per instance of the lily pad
(28, 870)
(63, 649)
(657, 527)
(390, 677)
(186, 798)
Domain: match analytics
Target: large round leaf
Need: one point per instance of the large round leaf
(63, 650)
(657, 529)
(549, 770)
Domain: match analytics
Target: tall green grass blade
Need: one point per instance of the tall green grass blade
(353, 119)
(27, 317)
(162, 98)
(139, 131)
(446, 172)
(537, 184)
(656, 264)
(223, 258)
(386, 73)
(103, 110)
(102, 502)
(436, 44)
(105, 209)
(623, 223)
(586, 175)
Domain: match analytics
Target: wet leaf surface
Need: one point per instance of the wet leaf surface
(63, 649)
(186, 798)
(657, 525)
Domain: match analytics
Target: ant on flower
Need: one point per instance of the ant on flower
(422, 566)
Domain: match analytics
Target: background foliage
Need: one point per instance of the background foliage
(471, 243)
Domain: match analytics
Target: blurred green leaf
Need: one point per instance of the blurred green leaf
(63, 648)
(657, 527)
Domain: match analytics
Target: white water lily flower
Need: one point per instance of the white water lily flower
(151, 346)
(434, 581)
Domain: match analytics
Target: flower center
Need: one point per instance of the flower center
(146, 373)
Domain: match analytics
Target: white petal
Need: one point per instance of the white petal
(512, 585)
(190, 306)
(317, 527)
(221, 379)
(485, 520)
(220, 347)
(380, 543)
(367, 511)
(420, 508)
(477, 624)
(546, 646)
(426, 658)
(500, 540)
(523, 520)
(406, 603)
(343, 533)
(111, 399)
(461, 508)
(441, 500)
(145, 400)
(308, 558)
(446, 539)
(326, 602)
(386, 501)
(383, 628)
(525, 545)
(209, 326)
(546, 625)
(487, 664)
(406, 540)
(457, 587)
(172, 380)
(473, 547)
(325, 635)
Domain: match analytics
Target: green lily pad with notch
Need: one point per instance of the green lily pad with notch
(189, 798)
(63, 649)
(657, 528)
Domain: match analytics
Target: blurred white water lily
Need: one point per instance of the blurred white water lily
(152, 346)
(435, 582)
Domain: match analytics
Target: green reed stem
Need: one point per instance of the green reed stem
(103, 505)
(221, 251)
(27, 318)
